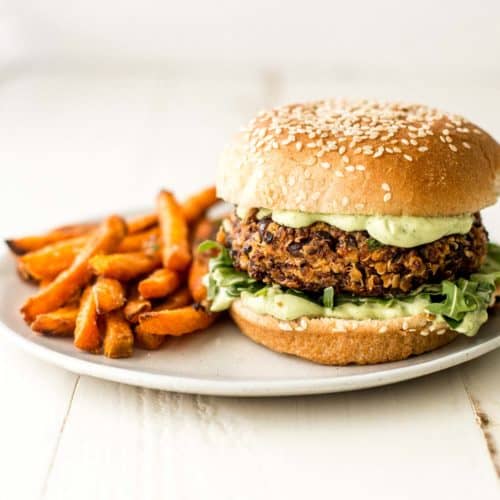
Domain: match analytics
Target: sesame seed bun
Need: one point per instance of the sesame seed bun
(332, 341)
(361, 157)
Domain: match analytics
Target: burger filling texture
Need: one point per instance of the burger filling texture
(292, 264)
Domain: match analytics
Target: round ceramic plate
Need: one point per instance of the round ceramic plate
(221, 360)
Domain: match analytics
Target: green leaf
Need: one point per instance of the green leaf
(209, 245)
(373, 244)
(328, 296)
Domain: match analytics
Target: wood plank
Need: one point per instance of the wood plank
(481, 378)
(35, 399)
(411, 440)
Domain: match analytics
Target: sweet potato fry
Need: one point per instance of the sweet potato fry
(118, 337)
(51, 260)
(21, 246)
(197, 271)
(205, 229)
(159, 284)
(180, 298)
(60, 322)
(174, 233)
(44, 283)
(135, 306)
(139, 241)
(195, 206)
(175, 321)
(87, 335)
(124, 266)
(108, 295)
(141, 223)
(107, 237)
(149, 341)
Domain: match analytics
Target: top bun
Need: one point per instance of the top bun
(361, 157)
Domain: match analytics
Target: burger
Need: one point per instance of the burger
(356, 234)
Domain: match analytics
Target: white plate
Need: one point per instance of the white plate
(221, 360)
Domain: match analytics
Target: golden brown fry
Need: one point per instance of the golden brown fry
(107, 237)
(141, 223)
(139, 241)
(135, 306)
(160, 283)
(175, 321)
(195, 206)
(60, 322)
(198, 270)
(118, 337)
(50, 260)
(44, 283)
(180, 298)
(124, 266)
(149, 341)
(108, 295)
(87, 335)
(174, 233)
(205, 229)
(21, 246)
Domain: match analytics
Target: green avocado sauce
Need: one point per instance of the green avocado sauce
(288, 307)
(400, 231)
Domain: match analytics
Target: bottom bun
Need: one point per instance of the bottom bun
(331, 341)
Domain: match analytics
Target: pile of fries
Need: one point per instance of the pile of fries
(121, 283)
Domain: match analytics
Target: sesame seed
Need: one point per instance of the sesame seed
(339, 125)
(291, 180)
(315, 196)
(324, 164)
(466, 145)
(383, 329)
(385, 186)
(338, 173)
(345, 201)
(404, 326)
(387, 197)
(424, 333)
(350, 168)
(453, 148)
(360, 168)
(441, 331)
(285, 326)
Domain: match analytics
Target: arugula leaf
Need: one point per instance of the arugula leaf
(373, 244)
(462, 304)
(328, 296)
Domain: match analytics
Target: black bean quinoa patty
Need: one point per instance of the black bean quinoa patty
(318, 256)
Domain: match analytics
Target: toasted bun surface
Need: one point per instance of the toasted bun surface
(332, 341)
(361, 157)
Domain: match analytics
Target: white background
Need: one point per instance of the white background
(103, 103)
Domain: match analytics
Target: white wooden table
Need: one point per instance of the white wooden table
(76, 144)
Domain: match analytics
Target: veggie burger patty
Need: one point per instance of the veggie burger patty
(319, 256)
